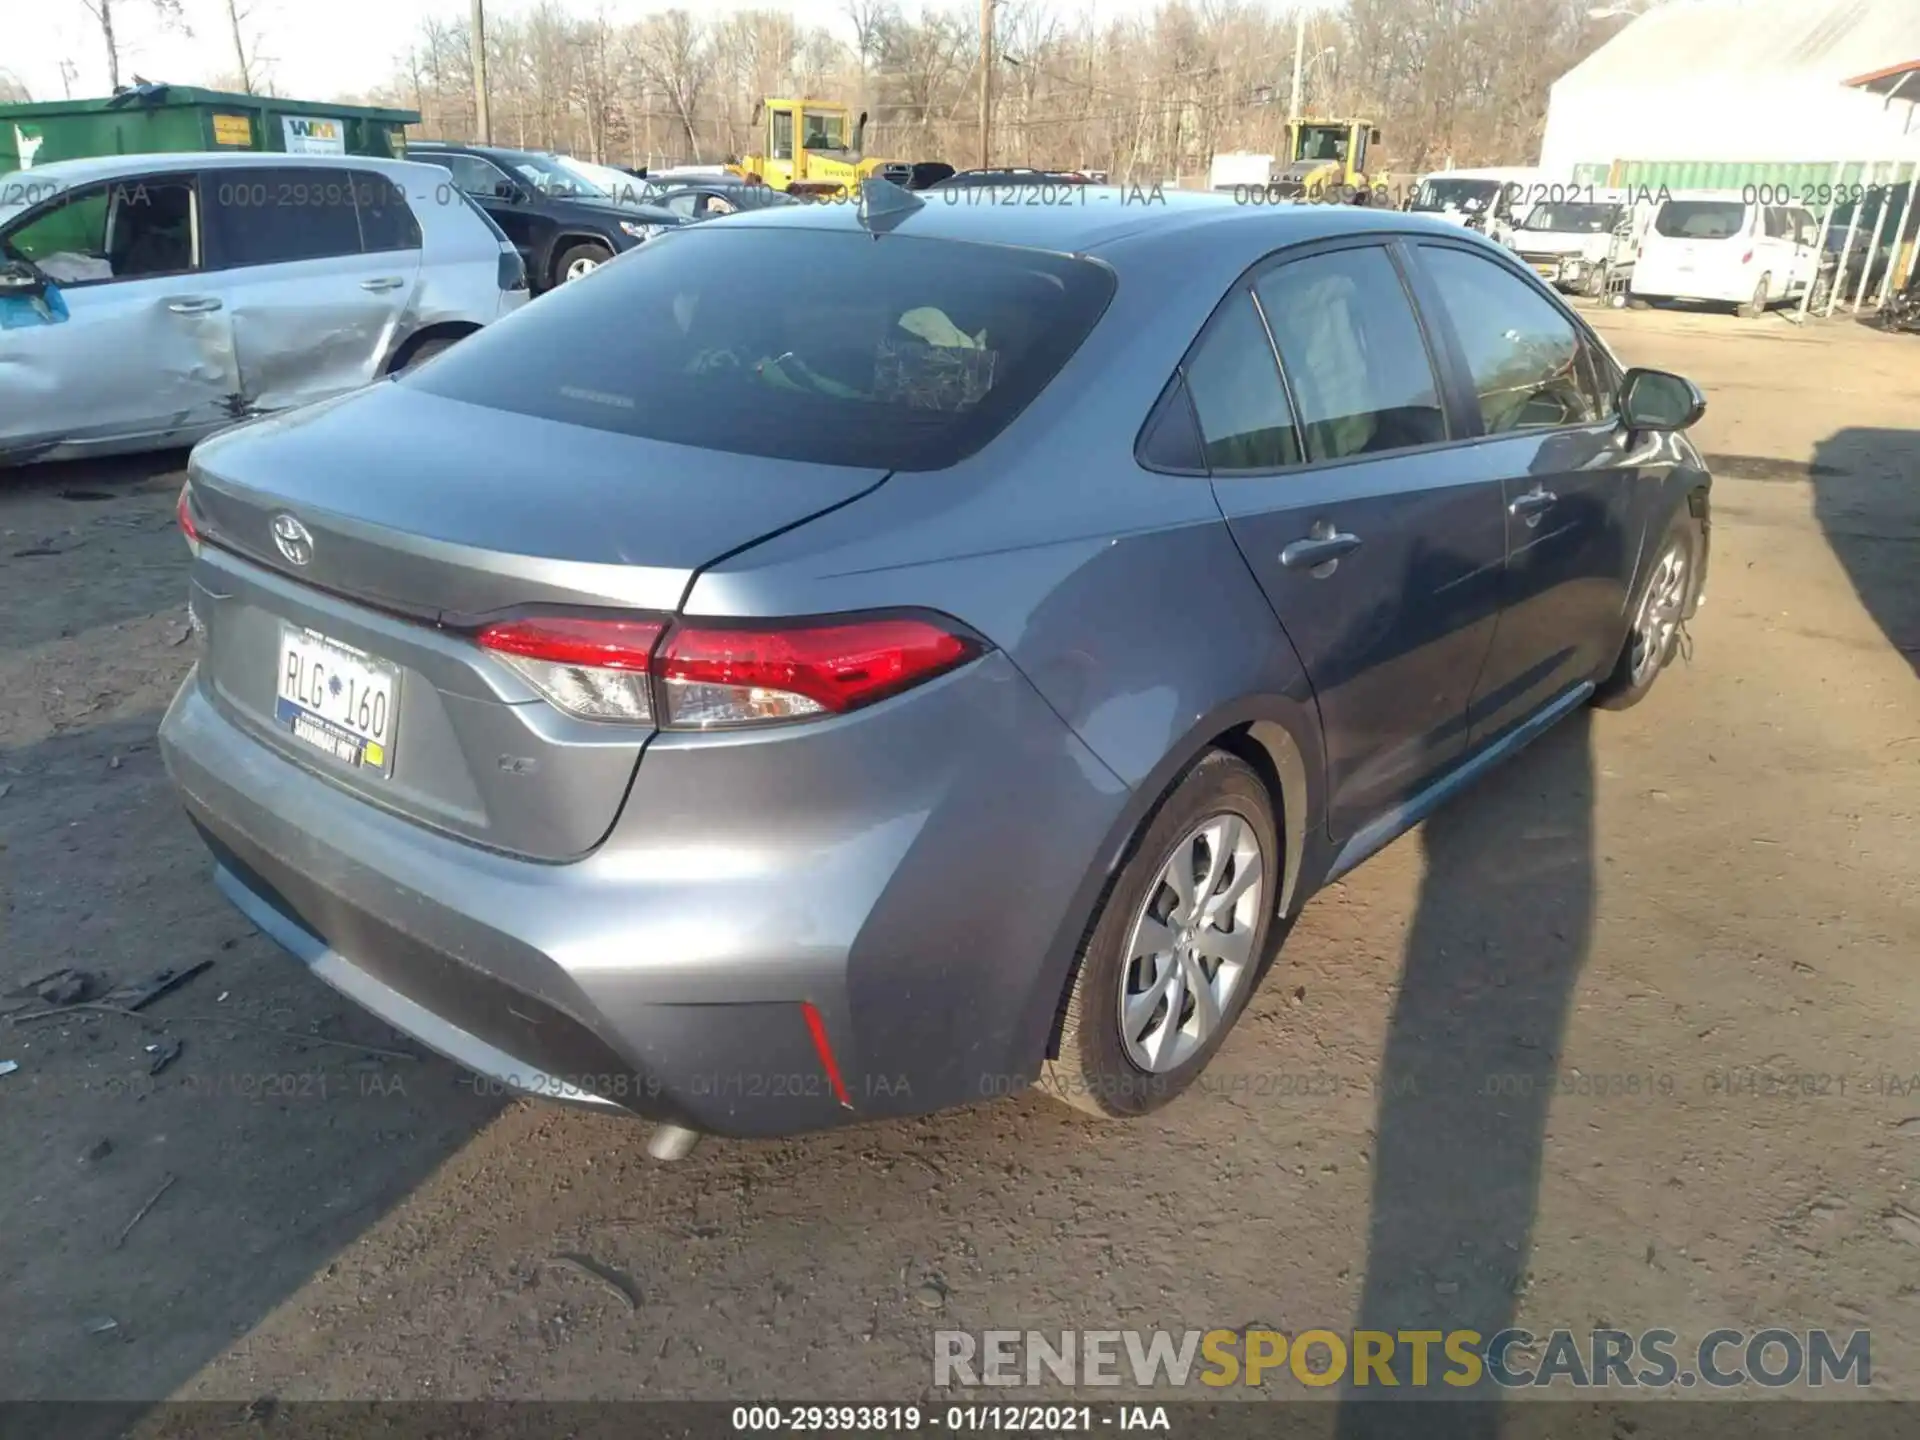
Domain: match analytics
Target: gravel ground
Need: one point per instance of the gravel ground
(1539, 1062)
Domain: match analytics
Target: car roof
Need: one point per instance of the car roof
(105, 167)
(1144, 226)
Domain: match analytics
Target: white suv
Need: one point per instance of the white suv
(1722, 248)
(149, 300)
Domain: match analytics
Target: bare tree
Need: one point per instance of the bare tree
(102, 11)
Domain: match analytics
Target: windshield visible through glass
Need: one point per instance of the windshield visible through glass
(905, 354)
(1457, 194)
(1322, 142)
(1573, 219)
(824, 130)
(1701, 219)
(552, 178)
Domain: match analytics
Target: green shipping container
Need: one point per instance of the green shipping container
(168, 119)
(1799, 183)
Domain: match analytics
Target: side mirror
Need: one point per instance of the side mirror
(1658, 400)
(17, 277)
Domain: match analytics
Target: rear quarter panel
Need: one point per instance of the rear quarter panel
(1116, 592)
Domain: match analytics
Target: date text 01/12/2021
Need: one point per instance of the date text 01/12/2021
(909, 1419)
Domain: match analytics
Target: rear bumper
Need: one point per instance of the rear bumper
(917, 874)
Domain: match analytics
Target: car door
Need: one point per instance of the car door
(1543, 409)
(313, 313)
(131, 343)
(1378, 545)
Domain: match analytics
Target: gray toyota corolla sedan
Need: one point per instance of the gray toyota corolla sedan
(843, 663)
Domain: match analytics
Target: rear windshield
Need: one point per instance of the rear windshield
(1565, 219)
(831, 347)
(1701, 219)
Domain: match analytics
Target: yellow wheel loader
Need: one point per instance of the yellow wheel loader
(1326, 161)
(813, 147)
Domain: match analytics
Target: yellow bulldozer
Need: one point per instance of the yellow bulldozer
(813, 147)
(1326, 160)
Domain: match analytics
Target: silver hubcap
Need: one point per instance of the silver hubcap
(1659, 617)
(585, 265)
(1191, 944)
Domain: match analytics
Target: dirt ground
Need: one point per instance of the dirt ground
(1714, 894)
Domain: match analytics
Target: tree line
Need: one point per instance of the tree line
(1147, 98)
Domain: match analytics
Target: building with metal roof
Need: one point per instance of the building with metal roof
(1726, 93)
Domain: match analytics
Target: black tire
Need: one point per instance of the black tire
(1757, 306)
(1093, 1072)
(422, 353)
(1624, 688)
(574, 254)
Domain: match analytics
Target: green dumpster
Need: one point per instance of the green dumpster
(149, 119)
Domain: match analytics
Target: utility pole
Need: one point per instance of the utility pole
(482, 117)
(986, 81)
(1299, 59)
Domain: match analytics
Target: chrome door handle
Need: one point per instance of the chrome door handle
(193, 305)
(386, 282)
(1320, 552)
(1532, 505)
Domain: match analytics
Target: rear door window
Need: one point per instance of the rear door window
(274, 216)
(1246, 423)
(1353, 354)
(386, 219)
(1701, 219)
(900, 352)
(471, 173)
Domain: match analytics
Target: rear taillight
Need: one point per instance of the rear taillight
(595, 669)
(693, 676)
(183, 512)
(1747, 259)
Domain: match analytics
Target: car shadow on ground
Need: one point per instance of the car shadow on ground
(1470, 1069)
(1866, 496)
(158, 1208)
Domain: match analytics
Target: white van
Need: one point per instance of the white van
(1721, 247)
(1483, 200)
(1585, 243)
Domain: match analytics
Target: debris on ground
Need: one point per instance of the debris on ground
(138, 994)
(931, 1295)
(65, 986)
(602, 1275)
(164, 1053)
(1904, 1224)
(7, 1067)
(96, 1152)
(102, 1325)
(141, 1213)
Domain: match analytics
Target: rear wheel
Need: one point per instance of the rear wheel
(1655, 636)
(1177, 947)
(580, 260)
(421, 353)
(1598, 279)
(1757, 306)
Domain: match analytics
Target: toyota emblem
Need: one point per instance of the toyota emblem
(293, 538)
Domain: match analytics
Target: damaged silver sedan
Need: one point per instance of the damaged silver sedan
(147, 301)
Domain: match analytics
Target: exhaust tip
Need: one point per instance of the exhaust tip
(672, 1142)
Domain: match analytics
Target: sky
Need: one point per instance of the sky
(315, 49)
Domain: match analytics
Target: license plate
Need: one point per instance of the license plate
(341, 701)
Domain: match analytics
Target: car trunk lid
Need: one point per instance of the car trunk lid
(389, 524)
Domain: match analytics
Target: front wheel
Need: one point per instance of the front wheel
(579, 260)
(1177, 947)
(1655, 637)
